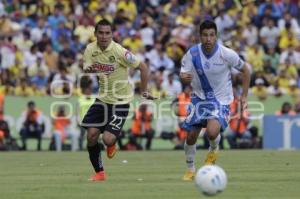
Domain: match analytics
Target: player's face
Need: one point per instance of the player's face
(104, 36)
(208, 38)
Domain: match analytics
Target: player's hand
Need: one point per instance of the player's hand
(89, 69)
(186, 77)
(148, 96)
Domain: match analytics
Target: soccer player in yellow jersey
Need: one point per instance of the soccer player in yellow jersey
(108, 113)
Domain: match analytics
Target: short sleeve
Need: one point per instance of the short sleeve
(186, 63)
(234, 60)
(128, 59)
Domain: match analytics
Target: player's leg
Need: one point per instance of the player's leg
(214, 127)
(109, 139)
(94, 122)
(190, 152)
(213, 134)
(192, 124)
(95, 153)
(117, 115)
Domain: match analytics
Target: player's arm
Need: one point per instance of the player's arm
(144, 81)
(186, 74)
(130, 60)
(245, 85)
(87, 61)
(236, 62)
(186, 77)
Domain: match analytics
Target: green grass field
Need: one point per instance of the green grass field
(157, 174)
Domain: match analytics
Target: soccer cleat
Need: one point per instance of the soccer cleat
(211, 157)
(100, 176)
(111, 151)
(189, 176)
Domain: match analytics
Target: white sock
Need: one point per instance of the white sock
(190, 151)
(214, 144)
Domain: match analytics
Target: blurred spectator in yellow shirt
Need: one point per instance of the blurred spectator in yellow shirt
(172, 8)
(129, 7)
(38, 65)
(17, 67)
(157, 90)
(293, 90)
(6, 82)
(291, 70)
(254, 56)
(24, 89)
(101, 13)
(23, 41)
(51, 59)
(193, 8)
(42, 9)
(248, 12)
(259, 90)
(283, 79)
(184, 18)
(85, 31)
(50, 4)
(288, 38)
(133, 42)
(175, 52)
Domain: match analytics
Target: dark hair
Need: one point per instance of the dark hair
(102, 22)
(30, 103)
(288, 25)
(208, 24)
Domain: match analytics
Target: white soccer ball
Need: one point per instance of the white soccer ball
(211, 179)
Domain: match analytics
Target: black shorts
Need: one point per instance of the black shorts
(106, 117)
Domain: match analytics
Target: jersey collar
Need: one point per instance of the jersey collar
(209, 55)
(109, 47)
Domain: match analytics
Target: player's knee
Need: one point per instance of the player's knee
(191, 139)
(92, 138)
(212, 132)
(211, 135)
(109, 139)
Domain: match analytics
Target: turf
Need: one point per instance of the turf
(155, 175)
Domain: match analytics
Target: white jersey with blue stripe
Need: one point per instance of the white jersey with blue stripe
(212, 73)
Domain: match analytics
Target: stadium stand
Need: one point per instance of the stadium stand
(42, 42)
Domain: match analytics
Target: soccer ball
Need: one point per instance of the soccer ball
(210, 180)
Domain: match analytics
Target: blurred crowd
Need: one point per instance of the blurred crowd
(42, 42)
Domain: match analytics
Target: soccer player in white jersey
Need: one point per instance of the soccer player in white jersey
(207, 67)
